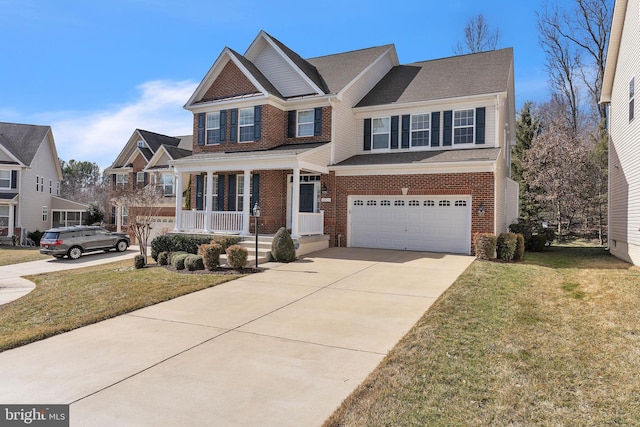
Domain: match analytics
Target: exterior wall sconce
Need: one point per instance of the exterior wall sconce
(481, 209)
(325, 190)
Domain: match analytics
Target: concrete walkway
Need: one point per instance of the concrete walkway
(277, 348)
(13, 286)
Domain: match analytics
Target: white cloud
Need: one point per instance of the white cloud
(99, 136)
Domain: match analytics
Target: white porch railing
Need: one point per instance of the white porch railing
(310, 223)
(217, 221)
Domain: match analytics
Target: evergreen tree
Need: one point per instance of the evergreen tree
(527, 128)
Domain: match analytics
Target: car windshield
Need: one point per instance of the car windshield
(50, 235)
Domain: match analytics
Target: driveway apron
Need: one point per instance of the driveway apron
(277, 348)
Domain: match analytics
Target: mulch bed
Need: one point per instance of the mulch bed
(219, 270)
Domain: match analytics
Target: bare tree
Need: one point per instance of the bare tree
(478, 37)
(144, 205)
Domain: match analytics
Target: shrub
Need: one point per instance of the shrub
(237, 256)
(282, 248)
(163, 258)
(226, 241)
(170, 255)
(177, 242)
(210, 255)
(138, 261)
(506, 246)
(194, 262)
(538, 241)
(485, 244)
(35, 236)
(519, 254)
(178, 261)
(550, 235)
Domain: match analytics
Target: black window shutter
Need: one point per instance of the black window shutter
(199, 191)
(447, 128)
(291, 124)
(201, 121)
(14, 179)
(255, 190)
(632, 109)
(406, 129)
(435, 129)
(257, 122)
(480, 121)
(232, 193)
(145, 178)
(367, 134)
(317, 121)
(113, 214)
(233, 125)
(220, 206)
(223, 126)
(113, 180)
(395, 121)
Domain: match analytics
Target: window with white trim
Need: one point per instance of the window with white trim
(4, 215)
(57, 188)
(463, 126)
(214, 192)
(122, 179)
(380, 133)
(166, 182)
(240, 192)
(140, 179)
(420, 129)
(5, 179)
(245, 125)
(45, 213)
(305, 122)
(213, 128)
(37, 182)
(632, 95)
(50, 186)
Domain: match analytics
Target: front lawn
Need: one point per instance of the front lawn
(554, 340)
(70, 299)
(17, 254)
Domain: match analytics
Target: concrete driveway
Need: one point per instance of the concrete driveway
(277, 348)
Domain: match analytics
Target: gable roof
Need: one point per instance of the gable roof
(456, 76)
(155, 140)
(257, 74)
(22, 141)
(421, 157)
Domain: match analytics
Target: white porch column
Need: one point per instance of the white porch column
(178, 215)
(295, 202)
(118, 218)
(208, 202)
(11, 224)
(246, 203)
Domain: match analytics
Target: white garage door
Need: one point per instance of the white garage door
(416, 223)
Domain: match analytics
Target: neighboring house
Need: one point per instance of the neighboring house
(352, 149)
(622, 75)
(30, 177)
(144, 160)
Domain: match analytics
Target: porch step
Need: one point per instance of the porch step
(264, 249)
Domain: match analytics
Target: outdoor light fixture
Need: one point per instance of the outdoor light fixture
(256, 215)
(325, 190)
(481, 209)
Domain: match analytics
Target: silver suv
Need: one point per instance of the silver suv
(73, 241)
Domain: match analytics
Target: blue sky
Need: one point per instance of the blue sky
(95, 71)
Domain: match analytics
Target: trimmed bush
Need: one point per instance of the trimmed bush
(282, 247)
(485, 244)
(138, 261)
(194, 262)
(237, 256)
(519, 255)
(163, 258)
(178, 261)
(226, 241)
(538, 242)
(177, 242)
(506, 246)
(35, 236)
(525, 228)
(170, 255)
(210, 255)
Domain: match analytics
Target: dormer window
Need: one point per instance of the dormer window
(141, 144)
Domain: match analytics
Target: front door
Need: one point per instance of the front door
(307, 195)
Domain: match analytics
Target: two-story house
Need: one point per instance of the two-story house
(618, 90)
(30, 177)
(354, 148)
(144, 160)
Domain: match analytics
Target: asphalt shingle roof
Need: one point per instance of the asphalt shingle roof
(22, 140)
(155, 140)
(457, 76)
(421, 157)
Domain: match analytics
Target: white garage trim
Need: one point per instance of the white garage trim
(433, 223)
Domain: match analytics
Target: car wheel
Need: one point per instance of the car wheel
(75, 252)
(121, 246)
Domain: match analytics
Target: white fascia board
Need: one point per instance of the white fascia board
(275, 162)
(613, 51)
(154, 159)
(12, 157)
(112, 170)
(128, 147)
(244, 102)
(449, 102)
(394, 61)
(54, 153)
(414, 169)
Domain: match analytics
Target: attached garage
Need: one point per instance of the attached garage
(415, 223)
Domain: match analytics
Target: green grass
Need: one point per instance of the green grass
(70, 299)
(16, 254)
(554, 340)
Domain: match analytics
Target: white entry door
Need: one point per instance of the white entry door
(415, 223)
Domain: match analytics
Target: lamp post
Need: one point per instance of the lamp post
(256, 215)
